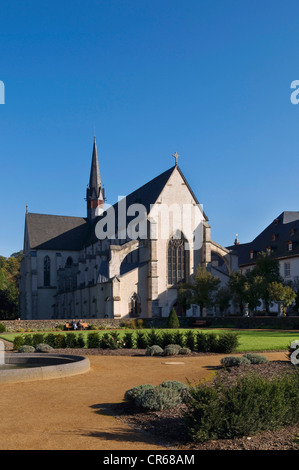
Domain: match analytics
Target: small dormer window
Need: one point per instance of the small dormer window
(290, 245)
(251, 254)
(273, 237)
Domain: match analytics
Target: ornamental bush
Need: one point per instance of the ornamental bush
(154, 350)
(172, 350)
(26, 349)
(18, 342)
(142, 340)
(2, 328)
(190, 340)
(172, 320)
(158, 398)
(167, 337)
(154, 337)
(256, 358)
(93, 340)
(179, 338)
(251, 404)
(134, 392)
(129, 340)
(60, 341)
(227, 342)
(185, 351)
(180, 387)
(232, 361)
(44, 348)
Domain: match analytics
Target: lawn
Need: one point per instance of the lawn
(250, 340)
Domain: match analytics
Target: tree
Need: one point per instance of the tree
(184, 298)
(203, 288)
(268, 269)
(254, 290)
(223, 298)
(238, 285)
(282, 294)
(173, 321)
(9, 285)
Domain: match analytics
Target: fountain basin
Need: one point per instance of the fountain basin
(21, 367)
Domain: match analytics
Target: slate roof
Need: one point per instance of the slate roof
(73, 233)
(55, 232)
(276, 237)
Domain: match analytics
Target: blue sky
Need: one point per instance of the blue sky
(209, 79)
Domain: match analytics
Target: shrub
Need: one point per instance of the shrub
(154, 350)
(172, 350)
(179, 338)
(129, 340)
(2, 328)
(249, 405)
(26, 349)
(212, 342)
(93, 340)
(173, 321)
(71, 340)
(202, 342)
(190, 341)
(43, 348)
(166, 338)
(158, 398)
(154, 337)
(18, 342)
(227, 342)
(231, 361)
(139, 323)
(129, 324)
(134, 392)
(37, 338)
(107, 342)
(81, 340)
(50, 339)
(60, 342)
(142, 340)
(185, 351)
(256, 358)
(28, 339)
(180, 387)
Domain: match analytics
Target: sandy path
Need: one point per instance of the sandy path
(69, 413)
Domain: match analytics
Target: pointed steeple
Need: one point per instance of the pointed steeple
(95, 192)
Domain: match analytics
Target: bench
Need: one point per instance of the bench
(199, 323)
(68, 326)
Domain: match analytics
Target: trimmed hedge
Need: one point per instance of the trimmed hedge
(224, 343)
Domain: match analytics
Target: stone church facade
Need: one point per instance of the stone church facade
(112, 264)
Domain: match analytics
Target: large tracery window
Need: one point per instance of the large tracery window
(177, 260)
(47, 268)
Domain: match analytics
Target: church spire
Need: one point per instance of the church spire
(95, 192)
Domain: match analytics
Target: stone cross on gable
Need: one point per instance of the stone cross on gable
(176, 156)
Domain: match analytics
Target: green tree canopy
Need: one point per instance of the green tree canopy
(9, 285)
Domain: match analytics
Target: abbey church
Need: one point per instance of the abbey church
(112, 264)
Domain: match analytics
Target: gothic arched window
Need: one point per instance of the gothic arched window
(69, 261)
(177, 260)
(47, 269)
(134, 306)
